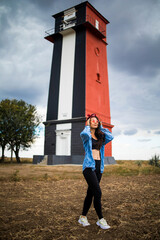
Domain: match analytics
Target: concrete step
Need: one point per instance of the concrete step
(44, 161)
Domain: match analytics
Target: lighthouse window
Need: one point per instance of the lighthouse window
(69, 19)
(97, 24)
(69, 14)
(98, 78)
(97, 51)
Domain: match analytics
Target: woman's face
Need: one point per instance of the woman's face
(94, 122)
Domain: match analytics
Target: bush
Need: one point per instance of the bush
(15, 177)
(45, 176)
(139, 163)
(154, 161)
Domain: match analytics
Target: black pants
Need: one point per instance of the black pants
(93, 179)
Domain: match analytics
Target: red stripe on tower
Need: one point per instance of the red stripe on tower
(97, 85)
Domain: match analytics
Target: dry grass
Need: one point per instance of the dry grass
(23, 160)
(37, 172)
(47, 210)
(26, 171)
(44, 202)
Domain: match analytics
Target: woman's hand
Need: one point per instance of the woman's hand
(88, 122)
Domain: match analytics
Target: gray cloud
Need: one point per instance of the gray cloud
(25, 56)
(130, 132)
(133, 57)
(133, 41)
(144, 61)
(157, 132)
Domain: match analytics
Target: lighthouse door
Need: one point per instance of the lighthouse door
(63, 142)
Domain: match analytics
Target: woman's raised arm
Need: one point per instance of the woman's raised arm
(86, 132)
(108, 135)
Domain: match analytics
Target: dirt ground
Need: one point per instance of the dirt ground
(50, 209)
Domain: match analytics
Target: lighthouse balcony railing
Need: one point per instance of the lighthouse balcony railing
(75, 22)
(49, 32)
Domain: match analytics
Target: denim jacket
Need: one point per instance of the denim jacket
(87, 144)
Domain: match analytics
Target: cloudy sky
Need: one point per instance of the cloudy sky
(133, 65)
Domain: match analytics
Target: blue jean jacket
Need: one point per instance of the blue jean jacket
(87, 144)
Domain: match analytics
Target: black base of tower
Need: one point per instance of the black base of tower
(77, 150)
(78, 125)
(75, 159)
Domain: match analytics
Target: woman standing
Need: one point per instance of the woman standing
(94, 138)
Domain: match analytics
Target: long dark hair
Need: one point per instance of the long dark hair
(98, 133)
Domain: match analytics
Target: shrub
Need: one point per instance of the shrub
(154, 161)
(139, 163)
(45, 176)
(15, 177)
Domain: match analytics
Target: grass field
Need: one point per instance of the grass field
(27, 171)
(44, 202)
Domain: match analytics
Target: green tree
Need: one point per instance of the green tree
(18, 123)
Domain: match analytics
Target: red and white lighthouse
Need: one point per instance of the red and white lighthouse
(78, 82)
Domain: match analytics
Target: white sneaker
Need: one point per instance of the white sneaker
(102, 223)
(83, 221)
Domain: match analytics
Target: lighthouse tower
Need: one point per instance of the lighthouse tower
(78, 82)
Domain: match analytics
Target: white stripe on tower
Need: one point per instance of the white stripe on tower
(63, 131)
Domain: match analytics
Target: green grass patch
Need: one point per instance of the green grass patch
(131, 168)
